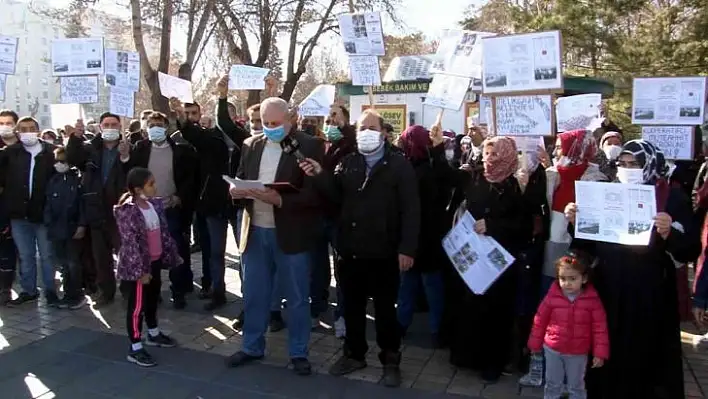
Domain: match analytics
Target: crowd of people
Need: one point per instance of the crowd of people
(603, 317)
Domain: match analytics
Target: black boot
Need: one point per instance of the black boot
(6, 279)
(218, 299)
(391, 368)
(205, 291)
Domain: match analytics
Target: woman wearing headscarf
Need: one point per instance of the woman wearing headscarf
(573, 152)
(434, 186)
(484, 323)
(637, 285)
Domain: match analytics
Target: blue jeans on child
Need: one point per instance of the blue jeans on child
(262, 259)
(572, 367)
(28, 238)
(433, 287)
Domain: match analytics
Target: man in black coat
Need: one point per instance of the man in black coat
(174, 166)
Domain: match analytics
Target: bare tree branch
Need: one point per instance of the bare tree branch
(196, 40)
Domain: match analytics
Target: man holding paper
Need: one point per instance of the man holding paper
(278, 232)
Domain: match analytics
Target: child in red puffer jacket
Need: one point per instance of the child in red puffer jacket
(570, 324)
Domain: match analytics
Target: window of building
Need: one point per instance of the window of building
(29, 82)
(17, 108)
(45, 67)
(45, 108)
(45, 122)
(45, 94)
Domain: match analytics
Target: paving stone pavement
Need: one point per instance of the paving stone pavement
(47, 353)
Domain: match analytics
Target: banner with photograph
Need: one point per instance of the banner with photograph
(79, 56)
(669, 101)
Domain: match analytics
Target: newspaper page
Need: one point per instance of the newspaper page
(615, 212)
(479, 259)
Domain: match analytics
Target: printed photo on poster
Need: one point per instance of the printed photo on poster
(523, 62)
(78, 89)
(447, 91)
(123, 69)
(8, 55)
(79, 56)
(523, 115)
(669, 101)
(362, 33)
(395, 114)
(676, 142)
(459, 53)
(577, 112)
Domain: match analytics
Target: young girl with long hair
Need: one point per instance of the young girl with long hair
(146, 246)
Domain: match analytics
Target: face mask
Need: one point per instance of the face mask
(449, 154)
(612, 152)
(6, 131)
(156, 134)
(562, 161)
(61, 167)
(333, 133)
(29, 139)
(309, 130)
(110, 134)
(368, 141)
(276, 134)
(630, 176)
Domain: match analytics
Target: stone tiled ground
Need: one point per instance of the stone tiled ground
(80, 354)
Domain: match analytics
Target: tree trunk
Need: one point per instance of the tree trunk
(254, 97)
(289, 87)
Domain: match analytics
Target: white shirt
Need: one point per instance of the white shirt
(33, 151)
(262, 212)
(152, 221)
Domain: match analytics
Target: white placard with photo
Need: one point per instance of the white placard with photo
(364, 70)
(78, 89)
(577, 112)
(485, 107)
(524, 62)
(460, 53)
(668, 101)
(615, 212)
(362, 33)
(172, 86)
(8, 55)
(79, 56)
(318, 102)
(66, 114)
(3, 86)
(122, 102)
(123, 69)
(447, 91)
(245, 77)
(523, 115)
(676, 142)
(479, 259)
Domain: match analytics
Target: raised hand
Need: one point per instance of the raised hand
(222, 86)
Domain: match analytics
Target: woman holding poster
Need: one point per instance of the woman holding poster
(637, 285)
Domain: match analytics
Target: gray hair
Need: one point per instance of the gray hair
(275, 102)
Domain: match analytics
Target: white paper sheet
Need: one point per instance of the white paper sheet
(318, 102)
(614, 212)
(66, 114)
(172, 86)
(479, 259)
(244, 77)
(364, 70)
(668, 101)
(362, 33)
(78, 89)
(525, 62)
(123, 69)
(577, 112)
(523, 115)
(122, 102)
(243, 184)
(676, 142)
(460, 53)
(8, 55)
(447, 91)
(80, 56)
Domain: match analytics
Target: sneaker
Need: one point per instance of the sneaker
(241, 358)
(23, 298)
(346, 365)
(52, 299)
(391, 375)
(301, 366)
(141, 358)
(216, 303)
(340, 329)
(160, 340)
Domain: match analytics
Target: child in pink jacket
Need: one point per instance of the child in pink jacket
(570, 324)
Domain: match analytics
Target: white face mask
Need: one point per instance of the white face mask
(29, 139)
(6, 131)
(110, 134)
(368, 141)
(61, 167)
(562, 161)
(449, 154)
(630, 175)
(612, 152)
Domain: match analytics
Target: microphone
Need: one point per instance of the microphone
(291, 146)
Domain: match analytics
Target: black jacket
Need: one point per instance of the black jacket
(215, 160)
(340, 149)
(379, 214)
(63, 211)
(537, 203)
(184, 165)
(15, 165)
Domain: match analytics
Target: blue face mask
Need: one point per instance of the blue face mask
(333, 133)
(275, 134)
(156, 134)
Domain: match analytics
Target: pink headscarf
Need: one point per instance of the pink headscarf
(415, 141)
(505, 161)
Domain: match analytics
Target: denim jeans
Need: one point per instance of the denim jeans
(215, 255)
(67, 255)
(262, 259)
(407, 294)
(28, 238)
(181, 275)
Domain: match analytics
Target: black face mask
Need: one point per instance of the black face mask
(309, 129)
